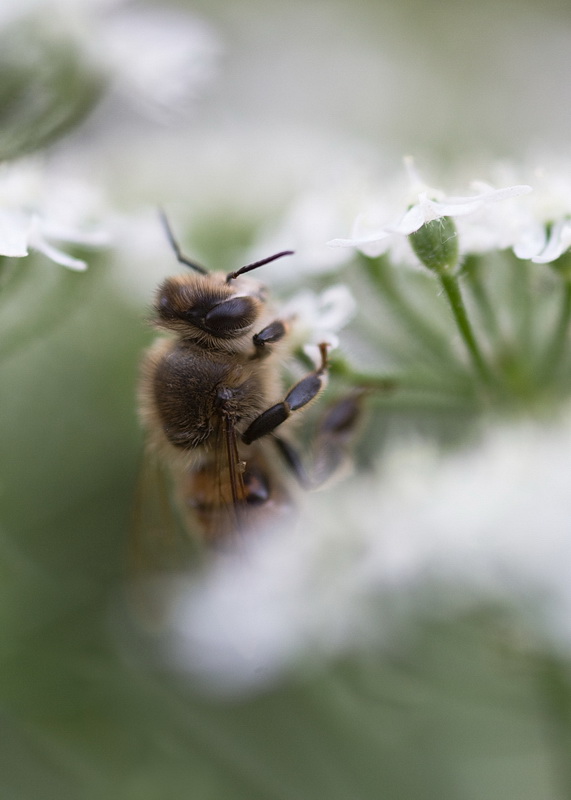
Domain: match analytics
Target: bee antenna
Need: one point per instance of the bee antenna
(256, 264)
(175, 246)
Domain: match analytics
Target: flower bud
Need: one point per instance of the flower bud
(436, 245)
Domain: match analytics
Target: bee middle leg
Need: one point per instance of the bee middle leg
(298, 396)
(332, 446)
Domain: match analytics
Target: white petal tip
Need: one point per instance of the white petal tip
(13, 253)
(523, 189)
(75, 265)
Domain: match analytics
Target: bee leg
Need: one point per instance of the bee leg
(332, 445)
(298, 396)
(293, 462)
(272, 333)
(335, 438)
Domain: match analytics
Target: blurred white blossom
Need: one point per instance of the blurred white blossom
(44, 212)
(154, 58)
(157, 58)
(313, 217)
(491, 523)
(544, 222)
(317, 318)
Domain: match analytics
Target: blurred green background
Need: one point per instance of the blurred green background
(86, 712)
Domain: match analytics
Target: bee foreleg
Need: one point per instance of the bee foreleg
(272, 333)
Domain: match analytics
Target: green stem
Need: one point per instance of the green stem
(474, 277)
(425, 335)
(522, 302)
(555, 697)
(411, 392)
(452, 290)
(556, 347)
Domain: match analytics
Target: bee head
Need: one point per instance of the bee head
(210, 307)
(206, 307)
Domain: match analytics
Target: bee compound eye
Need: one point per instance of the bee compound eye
(231, 315)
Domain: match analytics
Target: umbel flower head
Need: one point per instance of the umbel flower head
(40, 212)
(59, 59)
(473, 217)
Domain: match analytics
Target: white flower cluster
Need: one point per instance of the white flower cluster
(491, 523)
(154, 58)
(482, 224)
(545, 221)
(42, 212)
(157, 58)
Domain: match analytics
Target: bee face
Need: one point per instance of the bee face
(209, 308)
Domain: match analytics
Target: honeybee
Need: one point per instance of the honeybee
(213, 408)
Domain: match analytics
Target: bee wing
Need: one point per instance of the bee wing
(212, 496)
(160, 541)
(233, 465)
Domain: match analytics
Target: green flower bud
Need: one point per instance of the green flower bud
(436, 245)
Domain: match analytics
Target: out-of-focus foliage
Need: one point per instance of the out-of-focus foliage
(47, 86)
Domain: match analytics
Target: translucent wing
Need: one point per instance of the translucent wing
(212, 496)
(160, 543)
(176, 509)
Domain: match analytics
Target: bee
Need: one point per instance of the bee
(211, 401)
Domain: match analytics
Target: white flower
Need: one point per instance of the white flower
(544, 224)
(487, 524)
(374, 234)
(317, 318)
(38, 212)
(542, 249)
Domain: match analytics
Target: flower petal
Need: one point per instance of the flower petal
(14, 231)
(558, 243)
(531, 242)
(56, 255)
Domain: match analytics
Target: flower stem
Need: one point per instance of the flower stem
(452, 290)
(474, 276)
(555, 697)
(556, 347)
(523, 306)
(424, 334)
